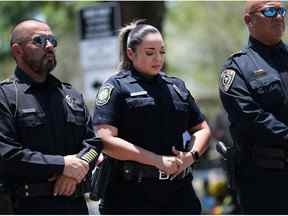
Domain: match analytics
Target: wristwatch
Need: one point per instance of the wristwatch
(195, 155)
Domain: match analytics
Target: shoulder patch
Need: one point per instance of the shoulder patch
(104, 94)
(122, 74)
(226, 79)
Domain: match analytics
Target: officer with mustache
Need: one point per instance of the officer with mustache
(47, 143)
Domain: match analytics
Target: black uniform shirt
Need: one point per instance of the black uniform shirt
(150, 112)
(253, 90)
(39, 124)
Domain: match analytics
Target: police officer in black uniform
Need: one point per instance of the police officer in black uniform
(254, 92)
(47, 142)
(141, 114)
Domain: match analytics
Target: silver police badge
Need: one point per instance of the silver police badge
(104, 94)
(227, 78)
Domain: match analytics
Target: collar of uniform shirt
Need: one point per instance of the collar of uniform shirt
(140, 76)
(268, 50)
(24, 78)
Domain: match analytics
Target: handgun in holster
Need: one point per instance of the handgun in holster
(230, 159)
(100, 179)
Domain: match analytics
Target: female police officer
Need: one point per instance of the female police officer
(141, 114)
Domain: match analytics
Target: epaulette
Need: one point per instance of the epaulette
(6, 81)
(238, 53)
(121, 74)
(163, 74)
(67, 84)
(168, 78)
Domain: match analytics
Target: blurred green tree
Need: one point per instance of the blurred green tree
(201, 37)
(61, 15)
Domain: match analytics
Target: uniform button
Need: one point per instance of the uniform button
(26, 194)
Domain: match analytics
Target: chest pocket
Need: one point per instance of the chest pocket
(140, 109)
(181, 100)
(31, 130)
(181, 115)
(268, 91)
(75, 113)
(140, 103)
(30, 120)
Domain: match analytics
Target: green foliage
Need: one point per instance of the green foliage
(62, 16)
(200, 36)
(10, 14)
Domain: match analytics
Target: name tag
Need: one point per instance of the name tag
(134, 94)
(29, 110)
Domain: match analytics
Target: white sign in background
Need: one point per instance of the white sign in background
(99, 59)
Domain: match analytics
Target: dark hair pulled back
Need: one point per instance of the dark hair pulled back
(131, 36)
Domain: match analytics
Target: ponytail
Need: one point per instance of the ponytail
(131, 36)
(125, 63)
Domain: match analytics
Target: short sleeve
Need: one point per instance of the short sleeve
(196, 116)
(107, 104)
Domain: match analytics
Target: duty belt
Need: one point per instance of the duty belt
(42, 190)
(132, 171)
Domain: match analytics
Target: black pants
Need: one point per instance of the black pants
(153, 197)
(6, 205)
(51, 205)
(265, 193)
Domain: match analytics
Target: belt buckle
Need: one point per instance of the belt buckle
(163, 175)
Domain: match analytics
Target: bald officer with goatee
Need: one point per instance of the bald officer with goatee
(254, 91)
(47, 144)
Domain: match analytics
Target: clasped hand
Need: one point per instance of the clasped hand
(174, 165)
(64, 185)
(75, 167)
(74, 172)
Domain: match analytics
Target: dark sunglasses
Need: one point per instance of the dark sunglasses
(273, 11)
(41, 40)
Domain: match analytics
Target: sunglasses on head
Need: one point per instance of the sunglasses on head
(273, 11)
(41, 40)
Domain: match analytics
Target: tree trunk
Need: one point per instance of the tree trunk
(153, 11)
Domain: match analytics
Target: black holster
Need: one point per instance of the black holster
(229, 162)
(100, 179)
